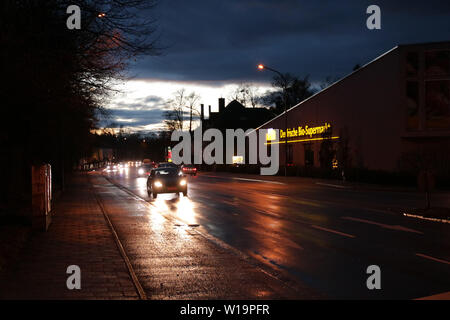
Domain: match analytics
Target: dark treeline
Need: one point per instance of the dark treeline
(56, 80)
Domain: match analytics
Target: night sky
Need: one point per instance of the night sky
(212, 45)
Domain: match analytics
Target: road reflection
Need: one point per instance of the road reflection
(186, 210)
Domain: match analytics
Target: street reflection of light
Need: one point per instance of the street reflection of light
(156, 218)
(160, 206)
(141, 184)
(186, 210)
(272, 246)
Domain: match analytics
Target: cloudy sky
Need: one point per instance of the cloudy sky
(213, 45)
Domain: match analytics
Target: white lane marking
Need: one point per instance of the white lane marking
(257, 180)
(431, 258)
(244, 179)
(382, 225)
(333, 185)
(334, 231)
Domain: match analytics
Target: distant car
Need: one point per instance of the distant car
(189, 169)
(145, 169)
(111, 167)
(166, 180)
(167, 165)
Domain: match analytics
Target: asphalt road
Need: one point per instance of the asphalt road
(321, 236)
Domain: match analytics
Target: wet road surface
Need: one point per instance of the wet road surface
(314, 238)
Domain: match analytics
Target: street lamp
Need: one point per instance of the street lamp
(284, 84)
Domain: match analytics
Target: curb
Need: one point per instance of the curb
(140, 291)
(409, 215)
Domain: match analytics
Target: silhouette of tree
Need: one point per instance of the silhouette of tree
(58, 79)
(297, 90)
(247, 94)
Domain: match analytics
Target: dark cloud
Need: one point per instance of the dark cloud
(224, 40)
(135, 118)
(151, 99)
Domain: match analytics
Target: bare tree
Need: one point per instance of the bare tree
(69, 72)
(247, 94)
(192, 105)
(295, 90)
(174, 117)
(182, 104)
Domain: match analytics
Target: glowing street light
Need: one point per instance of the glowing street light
(101, 15)
(284, 84)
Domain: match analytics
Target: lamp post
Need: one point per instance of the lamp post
(284, 84)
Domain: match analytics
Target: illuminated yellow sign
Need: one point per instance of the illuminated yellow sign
(304, 131)
(238, 160)
(271, 135)
(302, 140)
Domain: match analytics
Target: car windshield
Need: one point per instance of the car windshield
(167, 172)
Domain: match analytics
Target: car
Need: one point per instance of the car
(167, 165)
(189, 169)
(166, 180)
(144, 170)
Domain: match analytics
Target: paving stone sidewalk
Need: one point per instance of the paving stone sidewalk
(78, 235)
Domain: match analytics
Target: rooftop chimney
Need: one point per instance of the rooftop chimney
(209, 114)
(221, 104)
(202, 113)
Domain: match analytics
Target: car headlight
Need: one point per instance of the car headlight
(158, 184)
(182, 182)
(141, 171)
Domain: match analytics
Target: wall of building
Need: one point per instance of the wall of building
(364, 108)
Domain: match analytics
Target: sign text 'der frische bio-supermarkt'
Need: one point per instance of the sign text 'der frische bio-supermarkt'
(298, 132)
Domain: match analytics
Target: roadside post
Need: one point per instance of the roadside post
(426, 182)
(41, 194)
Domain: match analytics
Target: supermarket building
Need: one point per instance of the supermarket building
(393, 114)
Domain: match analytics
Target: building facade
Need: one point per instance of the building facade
(392, 114)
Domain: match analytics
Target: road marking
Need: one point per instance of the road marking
(382, 225)
(440, 296)
(334, 231)
(307, 203)
(333, 185)
(257, 180)
(431, 258)
(245, 179)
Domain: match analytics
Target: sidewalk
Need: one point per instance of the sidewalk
(78, 235)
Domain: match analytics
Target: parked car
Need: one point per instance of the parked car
(166, 180)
